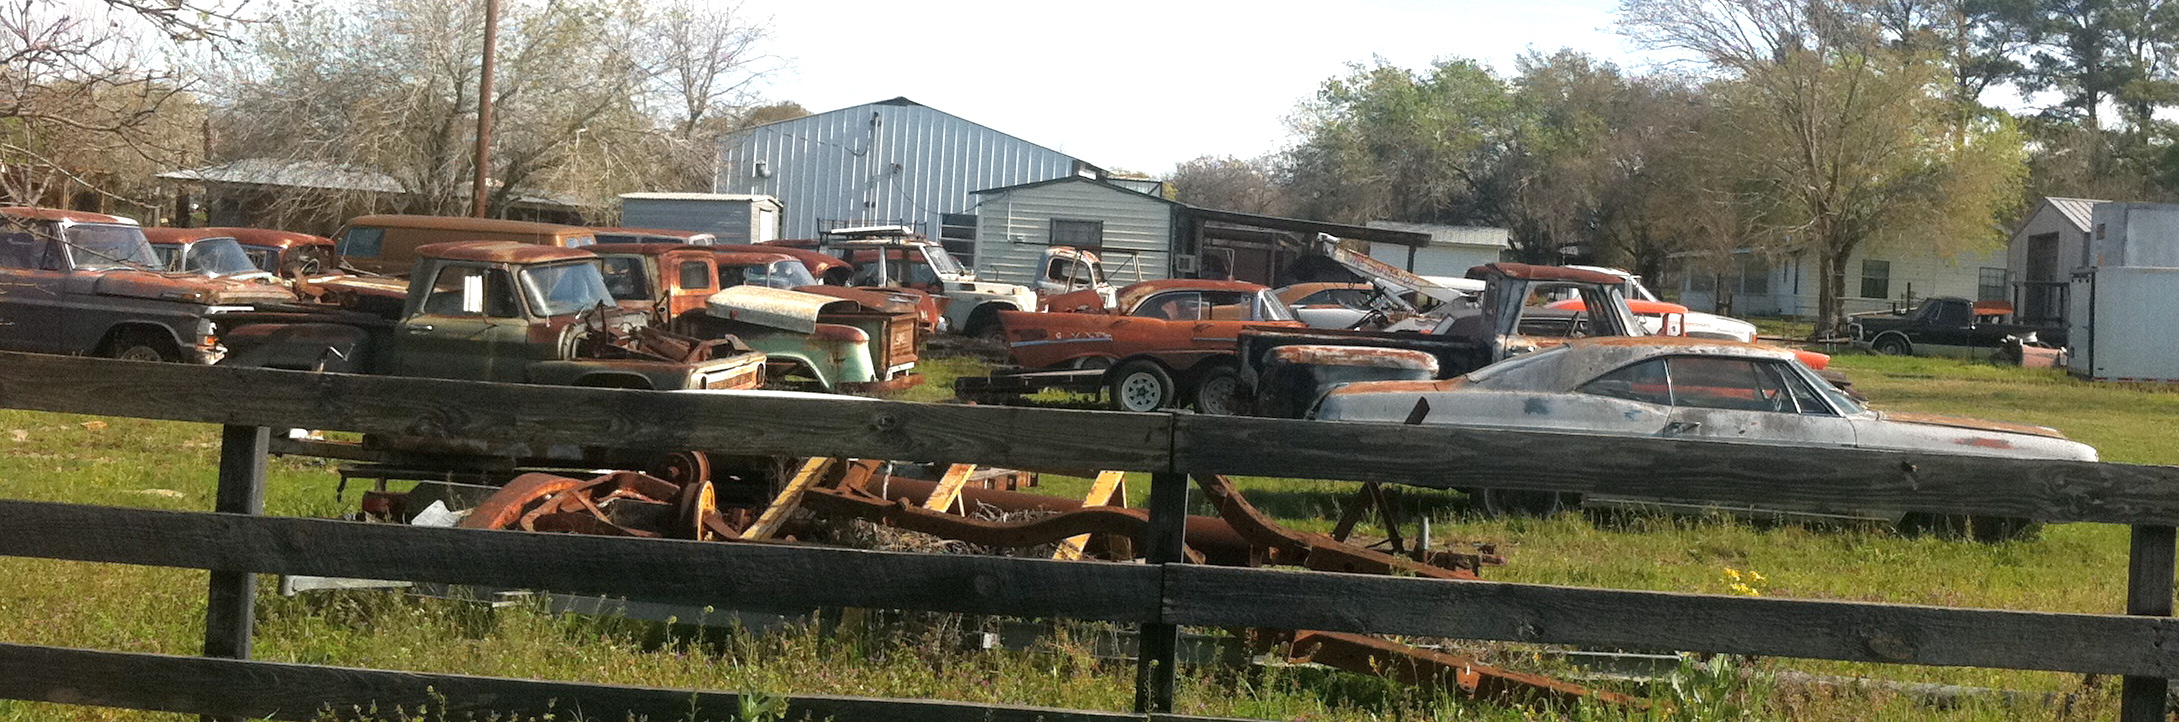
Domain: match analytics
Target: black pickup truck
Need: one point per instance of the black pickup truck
(1948, 326)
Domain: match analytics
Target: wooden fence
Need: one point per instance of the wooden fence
(236, 542)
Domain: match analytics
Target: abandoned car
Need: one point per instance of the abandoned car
(1684, 388)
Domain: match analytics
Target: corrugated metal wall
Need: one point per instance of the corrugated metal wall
(882, 162)
(1014, 227)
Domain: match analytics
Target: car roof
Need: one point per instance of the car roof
(1136, 292)
(647, 249)
(62, 214)
(179, 236)
(1583, 359)
(500, 252)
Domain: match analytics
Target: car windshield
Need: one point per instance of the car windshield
(565, 288)
(941, 261)
(95, 246)
(219, 257)
(624, 277)
(778, 274)
(265, 259)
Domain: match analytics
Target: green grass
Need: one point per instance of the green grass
(2068, 568)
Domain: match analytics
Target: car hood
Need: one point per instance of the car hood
(1963, 422)
(189, 288)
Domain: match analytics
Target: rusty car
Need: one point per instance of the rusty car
(89, 283)
(811, 340)
(1688, 388)
(1168, 342)
(1285, 370)
(209, 251)
(895, 257)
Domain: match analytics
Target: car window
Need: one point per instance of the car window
(1951, 314)
(1172, 305)
(1721, 383)
(624, 278)
(362, 242)
(694, 275)
(20, 249)
(1646, 382)
(471, 291)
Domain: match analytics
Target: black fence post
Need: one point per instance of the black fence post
(2149, 562)
(229, 613)
(1158, 645)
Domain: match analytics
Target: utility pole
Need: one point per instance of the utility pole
(484, 111)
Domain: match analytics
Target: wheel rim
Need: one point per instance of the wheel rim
(1141, 392)
(140, 352)
(682, 467)
(1217, 395)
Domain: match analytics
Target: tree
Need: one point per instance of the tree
(592, 98)
(1831, 140)
(81, 107)
(1229, 183)
(1387, 142)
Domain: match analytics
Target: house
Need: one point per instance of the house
(890, 162)
(1750, 282)
(1141, 235)
(1452, 250)
(2044, 250)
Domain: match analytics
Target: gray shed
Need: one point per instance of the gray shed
(893, 161)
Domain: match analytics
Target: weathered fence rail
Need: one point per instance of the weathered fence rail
(1160, 596)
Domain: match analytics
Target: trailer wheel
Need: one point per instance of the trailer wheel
(1219, 392)
(1139, 385)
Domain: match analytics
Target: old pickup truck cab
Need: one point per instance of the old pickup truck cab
(503, 311)
(893, 256)
(88, 283)
(1948, 326)
(810, 339)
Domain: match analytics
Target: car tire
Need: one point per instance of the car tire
(1219, 392)
(1525, 502)
(141, 346)
(1892, 346)
(1139, 385)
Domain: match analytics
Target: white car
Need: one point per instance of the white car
(1688, 388)
(1699, 324)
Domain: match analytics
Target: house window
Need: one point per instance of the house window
(957, 232)
(1991, 286)
(1876, 279)
(1754, 275)
(1085, 235)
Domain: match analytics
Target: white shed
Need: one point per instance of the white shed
(1452, 250)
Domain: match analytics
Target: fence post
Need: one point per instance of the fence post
(229, 615)
(2149, 562)
(1157, 646)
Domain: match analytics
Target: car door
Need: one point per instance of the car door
(1750, 399)
(33, 290)
(470, 327)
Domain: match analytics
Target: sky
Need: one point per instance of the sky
(1143, 86)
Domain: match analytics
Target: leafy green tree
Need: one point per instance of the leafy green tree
(1391, 143)
(1830, 140)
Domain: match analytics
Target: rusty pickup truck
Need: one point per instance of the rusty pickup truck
(86, 283)
(1164, 342)
(816, 341)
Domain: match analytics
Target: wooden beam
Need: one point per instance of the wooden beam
(948, 491)
(1157, 654)
(1719, 471)
(1110, 489)
(282, 691)
(2149, 570)
(737, 575)
(614, 418)
(1851, 631)
(783, 505)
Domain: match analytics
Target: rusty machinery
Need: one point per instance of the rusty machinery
(959, 505)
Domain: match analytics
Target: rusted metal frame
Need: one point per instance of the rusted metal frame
(1313, 550)
(1363, 654)
(1158, 644)
(948, 492)
(1110, 489)
(231, 597)
(902, 514)
(2149, 586)
(776, 514)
